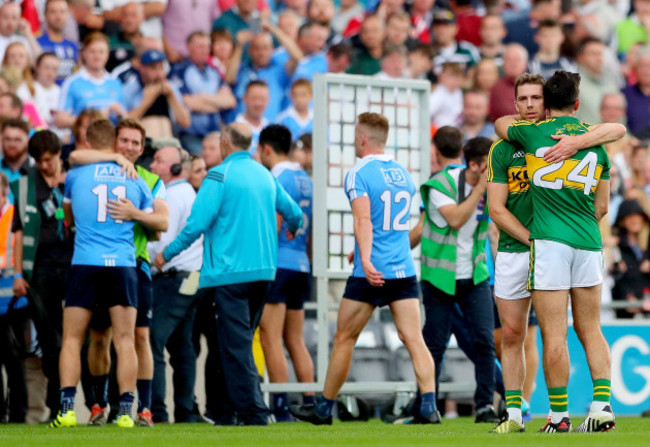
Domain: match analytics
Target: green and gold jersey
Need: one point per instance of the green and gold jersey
(563, 193)
(507, 164)
(140, 233)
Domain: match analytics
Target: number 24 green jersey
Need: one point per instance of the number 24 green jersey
(563, 193)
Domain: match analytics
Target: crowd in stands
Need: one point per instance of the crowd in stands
(186, 68)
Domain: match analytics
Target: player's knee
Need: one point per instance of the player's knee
(142, 340)
(512, 335)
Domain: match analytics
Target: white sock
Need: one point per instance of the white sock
(556, 416)
(514, 414)
(597, 406)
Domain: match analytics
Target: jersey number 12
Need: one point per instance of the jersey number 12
(401, 196)
(101, 191)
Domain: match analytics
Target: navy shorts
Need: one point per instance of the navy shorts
(359, 289)
(290, 287)
(95, 288)
(532, 317)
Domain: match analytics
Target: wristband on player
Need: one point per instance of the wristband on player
(18, 275)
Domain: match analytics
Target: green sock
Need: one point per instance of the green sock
(602, 390)
(513, 398)
(559, 399)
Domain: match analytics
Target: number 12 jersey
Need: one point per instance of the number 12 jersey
(563, 193)
(390, 189)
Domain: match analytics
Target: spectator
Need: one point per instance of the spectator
(262, 66)
(393, 62)
(632, 272)
(17, 57)
(638, 96)
(211, 149)
(256, 99)
(154, 100)
(289, 22)
(613, 108)
(127, 70)
(123, 44)
(43, 250)
(11, 106)
(311, 41)
(198, 172)
(486, 75)
(51, 40)
(241, 283)
(446, 101)
(367, 58)
(420, 63)
(475, 113)
(444, 29)
(244, 17)
(502, 95)
(91, 86)
(422, 17)
(398, 30)
(299, 117)
(522, 30)
(301, 152)
(13, 321)
(222, 50)
(597, 17)
(298, 7)
(634, 29)
(492, 31)
(80, 125)
(347, 10)
(179, 21)
(595, 81)
(46, 91)
(469, 21)
(549, 37)
(84, 21)
(322, 12)
(16, 161)
(203, 91)
(174, 309)
(153, 11)
(339, 57)
(13, 28)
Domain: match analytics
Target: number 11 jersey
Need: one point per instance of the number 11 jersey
(563, 193)
(101, 240)
(390, 189)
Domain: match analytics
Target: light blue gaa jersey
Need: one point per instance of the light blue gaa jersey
(390, 189)
(101, 240)
(292, 255)
(81, 91)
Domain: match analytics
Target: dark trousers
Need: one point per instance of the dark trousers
(205, 324)
(238, 311)
(475, 302)
(12, 352)
(50, 285)
(171, 328)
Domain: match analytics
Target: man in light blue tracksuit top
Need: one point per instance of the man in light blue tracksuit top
(235, 211)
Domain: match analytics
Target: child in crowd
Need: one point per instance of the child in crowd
(299, 116)
(446, 103)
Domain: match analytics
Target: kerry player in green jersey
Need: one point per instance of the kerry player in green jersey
(569, 198)
(511, 208)
(129, 145)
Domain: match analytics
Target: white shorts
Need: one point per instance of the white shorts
(511, 275)
(557, 266)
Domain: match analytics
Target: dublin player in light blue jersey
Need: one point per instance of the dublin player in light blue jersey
(103, 273)
(284, 314)
(380, 192)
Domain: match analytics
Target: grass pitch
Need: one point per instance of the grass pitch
(630, 432)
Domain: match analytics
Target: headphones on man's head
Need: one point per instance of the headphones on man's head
(177, 168)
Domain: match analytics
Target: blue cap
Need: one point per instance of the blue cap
(152, 57)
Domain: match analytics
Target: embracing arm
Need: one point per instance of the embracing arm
(501, 125)
(568, 145)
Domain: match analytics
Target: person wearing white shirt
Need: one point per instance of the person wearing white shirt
(174, 306)
(153, 12)
(446, 100)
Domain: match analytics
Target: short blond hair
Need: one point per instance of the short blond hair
(528, 78)
(375, 126)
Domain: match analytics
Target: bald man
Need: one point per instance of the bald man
(239, 263)
(173, 311)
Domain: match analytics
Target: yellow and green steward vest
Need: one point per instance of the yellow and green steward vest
(439, 245)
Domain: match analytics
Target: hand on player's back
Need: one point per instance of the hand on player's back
(563, 149)
(122, 209)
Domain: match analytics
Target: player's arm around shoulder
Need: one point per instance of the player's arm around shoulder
(597, 135)
(502, 124)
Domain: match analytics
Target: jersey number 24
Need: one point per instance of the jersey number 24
(588, 180)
